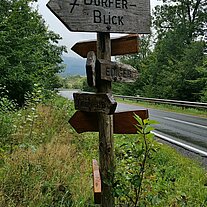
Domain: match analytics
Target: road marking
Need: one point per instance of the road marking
(185, 122)
(201, 152)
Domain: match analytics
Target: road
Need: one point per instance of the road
(184, 130)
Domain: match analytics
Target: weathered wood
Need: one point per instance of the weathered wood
(128, 44)
(123, 122)
(93, 102)
(90, 69)
(105, 125)
(96, 183)
(122, 16)
(117, 72)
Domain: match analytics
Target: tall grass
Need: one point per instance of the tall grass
(45, 163)
(44, 167)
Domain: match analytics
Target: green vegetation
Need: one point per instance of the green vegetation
(45, 163)
(29, 53)
(174, 67)
(73, 82)
(40, 163)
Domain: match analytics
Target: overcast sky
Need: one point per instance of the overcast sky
(69, 38)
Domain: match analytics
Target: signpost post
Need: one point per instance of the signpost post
(103, 17)
(105, 123)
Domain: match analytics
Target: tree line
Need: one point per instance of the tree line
(176, 66)
(171, 62)
(29, 53)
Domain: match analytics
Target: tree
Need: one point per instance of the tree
(170, 71)
(29, 53)
(179, 23)
(186, 17)
(136, 61)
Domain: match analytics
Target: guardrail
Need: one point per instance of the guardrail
(166, 101)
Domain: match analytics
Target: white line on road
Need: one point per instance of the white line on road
(201, 152)
(185, 122)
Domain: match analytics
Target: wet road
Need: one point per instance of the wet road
(186, 129)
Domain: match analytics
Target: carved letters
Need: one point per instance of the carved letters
(92, 102)
(117, 72)
(123, 16)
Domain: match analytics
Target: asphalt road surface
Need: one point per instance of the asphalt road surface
(184, 130)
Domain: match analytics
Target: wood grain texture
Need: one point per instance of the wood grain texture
(123, 121)
(121, 16)
(93, 102)
(128, 44)
(114, 71)
(90, 69)
(105, 126)
(96, 182)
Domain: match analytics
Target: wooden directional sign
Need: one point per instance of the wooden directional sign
(128, 44)
(93, 102)
(96, 183)
(117, 72)
(124, 122)
(122, 16)
(90, 69)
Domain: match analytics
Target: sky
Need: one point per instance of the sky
(69, 38)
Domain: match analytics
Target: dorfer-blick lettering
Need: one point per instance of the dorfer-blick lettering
(99, 18)
(117, 4)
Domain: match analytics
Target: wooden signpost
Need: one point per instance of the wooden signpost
(128, 44)
(92, 102)
(117, 72)
(100, 69)
(91, 69)
(103, 17)
(122, 16)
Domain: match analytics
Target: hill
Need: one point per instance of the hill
(74, 66)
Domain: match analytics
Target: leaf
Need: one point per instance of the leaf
(148, 129)
(136, 180)
(138, 119)
(150, 136)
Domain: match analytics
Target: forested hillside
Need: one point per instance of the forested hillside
(29, 54)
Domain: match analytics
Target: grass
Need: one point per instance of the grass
(46, 167)
(170, 179)
(167, 107)
(45, 163)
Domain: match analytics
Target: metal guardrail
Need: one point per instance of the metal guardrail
(166, 101)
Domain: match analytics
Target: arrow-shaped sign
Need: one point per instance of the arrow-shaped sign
(95, 102)
(100, 69)
(114, 71)
(121, 16)
(128, 44)
(124, 122)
